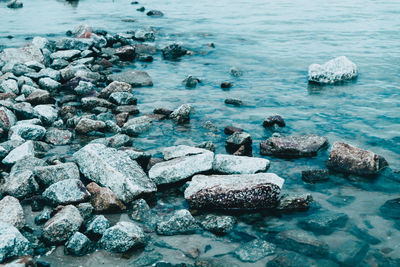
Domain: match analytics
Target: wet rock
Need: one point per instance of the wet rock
(126, 53)
(181, 222)
(12, 242)
(155, 13)
(228, 130)
(136, 126)
(122, 98)
(351, 252)
(293, 146)
(147, 259)
(7, 118)
(68, 43)
(144, 36)
(218, 224)
(226, 85)
(245, 191)
(82, 31)
(122, 237)
(191, 82)
(350, 159)
(9, 86)
(103, 199)
(66, 192)
(181, 114)
(391, 209)
(49, 84)
(48, 175)
(134, 78)
(20, 152)
(270, 121)
(85, 209)
(141, 9)
(121, 118)
(363, 235)
(289, 259)
(239, 141)
(234, 102)
(20, 184)
(324, 222)
(39, 97)
(230, 164)
(209, 145)
(46, 114)
(11, 212)
(235, 72)
(62, 225)
(340, 200)
(173, 52)
(58, 137)
(290, 203)
(27, 131)
(78, 245)
(130, 109)
(337, 70)
(315, 175)
(141, 212)
(15, 4)
(22, 55)
(113, 169)
(96, 227)
(254, 250)
(85, 126)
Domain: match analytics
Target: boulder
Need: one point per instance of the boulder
(89, 103)
(122, 237)
(245, 191)
(86, 125)
(66, 192)
(20, 184)
(11, 212)
(9, 86)
(254, 250)
(350, 159)
(96, 227)
(103, 199)
(24, 110)
(134, 78)
(136, 126)
(22, 55)
(115, 87)
(230, 164)
(181, 222)
(12, 242)
(181, 114)
(337, 70)
(20, 152)
(78, 245)
(48, 175)
(126, 53)
(27, 131)
(239, 143)
(324, 222)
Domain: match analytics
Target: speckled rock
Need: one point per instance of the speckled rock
(218, 224)
(141, 212)
(20, 152)
(324, 222)
(66, 192)
(113, 169)
(78, 245)
(85, 209)
(173, 52)
(27, 131)
(181, 151)
(86, 125)
(122, 237)
(122, 98)
(11, 212)
(181, 222)
(334, 71)
(65, 54)
(49, 84)
(254, 250)
(38, 96)
(96, 227)
(7, 118)
(9, 86)
(136, 126)
(293, 146)
(181, 114)
(84, 88)
(299, 202)
(68, 43)
(238, 140)
(245, 191)
(48, 175)
(47, 114)
(89, 103)
(57, 136)
(103, 199)
(20, 184)
(12, 242)
(114, 87)
(22, 55)
(230, 164)
(134, 78)
(315, 175)
(350, 159)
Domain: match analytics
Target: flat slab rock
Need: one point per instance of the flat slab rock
(245, 191)
(350, 159)
(230, 164)
(134, 78)
(293, 146)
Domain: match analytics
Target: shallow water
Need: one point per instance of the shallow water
(273, 43)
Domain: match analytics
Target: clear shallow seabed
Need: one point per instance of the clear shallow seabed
(273, 43)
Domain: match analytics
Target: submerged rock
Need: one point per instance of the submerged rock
(11, 212)
(254, 250)
(12, 242)
(351, 252)
(336, 70)
(122, 237)
(173, 52)
(103, 199)
(230, 164)
(391, 209)
(191, 82)
(66, 192)
(245, 191)
(134, 78)
(289, 259)
(181, 151)
(290, 203)
(78, 245)
(350, 159)
(315, 175)
(218, 224)
(324, 222)
(181, 222)
(234, 102)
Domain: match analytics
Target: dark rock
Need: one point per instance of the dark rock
(130, 109)
(89, 103)
(173, 52)
(141, 9)
(66, 192)
(122, 237)
(363, 235)
(228, 130)
(134, 78)
(181, 222)
(15, 4)
(126, 53)
(191, 82)
(43, 217)
(290, 203)
(103, 199)
(315, 175)
(78, 245)
(254, 250)
(155, 13)
(226, 85)
(239, 141)
(274, 120)
(121, 118)
(234, 102)
(181, 114)
(96, 227)
(7, 118)
(324, 222)
(391, 209)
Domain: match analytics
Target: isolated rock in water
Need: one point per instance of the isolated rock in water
(336, 70)
(66, 192)
(315, 175)
(181, 222)
(230, 164)
(15, 4)
(58, 137)
(134, 78)
(254, 250)
(28, 131)
(155, 13)
(11, 212)
(324, 222)
(270, 121)
(181, 151)
(350, 159)
(173, 52)
(181, 168)
(218, 224)
(22, 55)
(113, 169)
(290, 203)
(181, 114)
(20, 152)
(78, 245)
(103, 199)
(191, 82)
(7, 118)
(48, 175)
(96, 227)
(293, 146)
(122, 237)
(114, 87)
(136, 126)
(62, 225)
(12, 242)
(234, 102)
(245, 191)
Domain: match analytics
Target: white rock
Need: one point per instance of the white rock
(336, 70)
(231, 164)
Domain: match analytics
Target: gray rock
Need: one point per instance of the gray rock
(254, 250)
(41, 42)
(144, 36)
(15, 4)
(78, 245)
(122, 98)
(20, 184)
(85, 209)
(35, 65)
(85, 126)
(50, 73)
(391, 209)
(181, 114)
(115, 87)
(20, 152)
(67, 43)
(46, 114)
(66, 192)
(181, 151)
(191, 82)
(24, 110)
(48, 175)
(173, 52)
(324, 222)
(89, 103)
(334, 71)
(43, 216)
(290, 203)
(21, 69)
(7, 118)
(230, 164)
(37, 96)
(96, 227)
(62, 225)
(22, 55)
(12, 242)
(218, 224)
(49, 84)
(134, 78)
(84, 88)
(9, 86)
(245, 191)
(122, 237)
(350, 159)
(293, 146)
(136, 126)
(27, 131)
(113, 169)
(181, 222)
(11, 212)
(59, 64)
(141, 212)
(315, 175)
(58, 137)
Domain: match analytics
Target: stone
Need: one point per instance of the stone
(37, 66)
(340, 200)
(350, 159)
(234, 102)
(84, 88)
(115, 87)
(244, 191)
(181, 151)
(24, 110)
(49, 84)
(141, 212)
(9, 86)
(218, 224)
(66, 192)
(337, 70)
(126, 53)
(7, 118)
(22, 55)
(235, 72)
(20, 152)
(181, 114)
(289, 259)
(113, 169)
(12, 242)
(85, 126)
(155, 13)
(43, 217)
(96, 227)
(19, 69)
(226, 85)
(134, 78)
(11, 212)
(136, 126)
(351, 252)
(122, 237)
(47, 114)
(254, 250)
(144, 35)
(391, 209)
(228, 130)
(229, 164)
(15, 4)
(89, 103)
(191, 82)
(324, 222)
(68, 43)
(209, 145)
(315, 175)
(82, 31)
(173, 52)
(130, 109)
(85, 209)
(270, 121)
(27, 131)
(62, 225)
(297, 202)
(50, 73)
(181, 222)
(78, 245)
(20, 184)
(147, 259)
(39, 96)
(48, 175)
(103, 199)
(41, 42)
(293, 146)
(65, 54)
(122, 98)
(57, 136)
(239, 142)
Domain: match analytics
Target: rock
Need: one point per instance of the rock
(226, 85)
(12, 242)
(147, 259)
(68, 43)
(218, 224)
(66, 192)
(324, 222)
(228, 130)
(27, 131)
(121, 118)
(235, 72)
(181, 151)
(162, 111)
(113, 169)
(144, 36)
(48, 175)
(351, 252)
(89, 103)
(58, 137)
(50, 73)
(191, 82)
(122, 98)
(7, 118)
(20, 152)
(350, 159)
(96, 227)
(49, 84)
(24, 110)
(270, 121)
(362, 234)
(114, 87)
(11, 212)
(239, 141)
(290, 203)
(46, 114)
(84, 88)
(65, 54)
(209, 145)
(155, 13)
(15, 4)
(130, 109)
(103, 199)
(230, 164)
(122, 237)
(181, 222)
(9, 86)
(20, 184)
(245, 191)
(62, 225)
(340, 200)
(234, 102)
(315, 175)
(43, 217)
(181, 114)
(78, 245)
(39, 97)
(82, 31)
(85, 209)
(136, 126)
(22, 55)
(59, 64)
(391, 209)
(134, 78)
(181, 168)
(289, 259)
(85, 126)
(141, 212)
(118, 140)
(254, 250)
(126, 53)
(293, 146)
(173, 52)
(337, 70)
